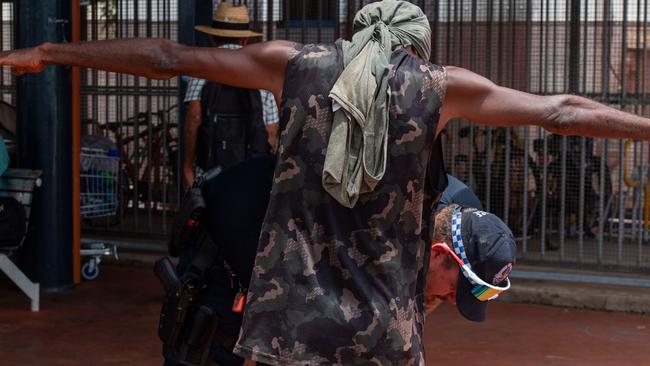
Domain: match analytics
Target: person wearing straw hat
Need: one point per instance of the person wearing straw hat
(340, 253)
(229, 30)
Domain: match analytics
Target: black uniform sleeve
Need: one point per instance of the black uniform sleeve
(459, 193)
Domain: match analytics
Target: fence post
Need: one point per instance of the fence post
(44, 140)
(574, 47)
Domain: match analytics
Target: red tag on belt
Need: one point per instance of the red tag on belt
(240, 301)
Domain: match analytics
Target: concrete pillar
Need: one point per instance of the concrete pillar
(44, 141)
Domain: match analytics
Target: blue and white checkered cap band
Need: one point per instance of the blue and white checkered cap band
(457, 240)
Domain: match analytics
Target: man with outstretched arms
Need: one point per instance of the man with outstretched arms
(335, 280)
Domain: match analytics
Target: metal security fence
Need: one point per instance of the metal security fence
(140, 116)
(7, 16)
(569, 200)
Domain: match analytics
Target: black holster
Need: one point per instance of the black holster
(187, 327)
(195, 349)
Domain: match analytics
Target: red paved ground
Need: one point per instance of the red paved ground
(113, 322)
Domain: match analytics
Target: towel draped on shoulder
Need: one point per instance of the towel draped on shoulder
(356, 153)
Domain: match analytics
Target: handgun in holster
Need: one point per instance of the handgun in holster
(180, 294)
(186, 328)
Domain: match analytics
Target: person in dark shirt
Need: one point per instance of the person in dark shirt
(459, 193)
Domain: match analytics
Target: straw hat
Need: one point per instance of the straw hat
(229, 21)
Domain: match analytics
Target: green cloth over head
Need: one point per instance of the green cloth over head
(356, 154)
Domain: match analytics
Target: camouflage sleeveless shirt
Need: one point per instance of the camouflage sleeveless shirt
(333, 285)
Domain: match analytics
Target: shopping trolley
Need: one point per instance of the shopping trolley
(99, 198)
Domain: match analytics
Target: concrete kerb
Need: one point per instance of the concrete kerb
(627, 299)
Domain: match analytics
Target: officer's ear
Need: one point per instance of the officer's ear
(440, 260)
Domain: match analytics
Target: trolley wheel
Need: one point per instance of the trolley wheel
(90, 270)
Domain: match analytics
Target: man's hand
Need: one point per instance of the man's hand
(23, 61)
(272, 131)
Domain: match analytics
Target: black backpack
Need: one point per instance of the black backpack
(232, 129)
(12, 223)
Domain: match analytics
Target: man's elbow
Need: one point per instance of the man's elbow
(166, 59)
(562, 114)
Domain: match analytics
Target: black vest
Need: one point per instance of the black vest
(232, 129)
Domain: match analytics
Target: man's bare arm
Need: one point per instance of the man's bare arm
(471, 96)
(192, 123)
(258, 66)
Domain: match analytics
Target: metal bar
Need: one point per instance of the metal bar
(319, 36)
(29, 288)
(121, 192)
(507, 131)
(256, 15)
(436, 32)
(621, 205)
(2, 46)
(76, 147)
(488, 74)
(500, 42)
(513, 39)
(644, 71)
(135, 176)
(544, 191)
(642, 193)
(583, 145)
(574, 46)
(581, 199)
(448, 52)
(458, 17)
(303, 23)
(270, 4)
(562, 226)
(286, 18)
(337, 20)
(473, 67)
(524, 221)
(636, 197)
(95, 73)
(637, 193)
(621, 208)
(553, 29)
(166, 158)
(349, 17)
(601, 203)
(452, 59)
(594, 48)
(149, 166)
(605, 81)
